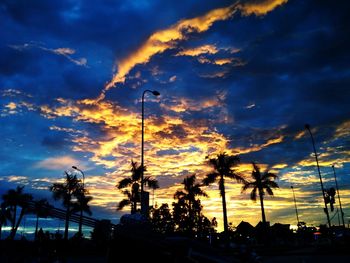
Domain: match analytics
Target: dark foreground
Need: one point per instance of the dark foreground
(168, 250)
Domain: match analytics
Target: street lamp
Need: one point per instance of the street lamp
(155, 93)
(307, 126)
(295, 204)
(81, 209)
(336, 185)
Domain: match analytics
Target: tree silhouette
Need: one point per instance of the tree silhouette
(66, 191)
(14, 199)
(223, 167)
(134, 181)
(162, 219)
(187, 210)
(42, 210)
(5, 216)
(261, 182)
(82, 205)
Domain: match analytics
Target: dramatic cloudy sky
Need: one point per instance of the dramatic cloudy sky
(236, 76)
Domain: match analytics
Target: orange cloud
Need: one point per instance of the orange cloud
(165, 39)
(260, 7)
(205, 49)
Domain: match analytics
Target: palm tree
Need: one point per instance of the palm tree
(5, 215)
(82, 205)
(41, 209)
(223, 167)
(14, 199)
(134, 182)
(65, 192)
(188, 209)
(261, 182)
(11, 199)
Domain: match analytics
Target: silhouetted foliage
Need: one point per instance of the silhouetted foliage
(65, 192)
(330, 197)
(5, 216)
(187, 211)
(162, 220)
(82, 205)
(223, 167)
(261, 182)
(134, 182)
(14, 199)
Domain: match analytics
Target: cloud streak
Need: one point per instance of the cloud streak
(168, 38)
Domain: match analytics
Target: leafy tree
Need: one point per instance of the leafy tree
(162, 219)
(66, 191)
(223, 168)
(261, 183)
(187, 210)
(134, 181)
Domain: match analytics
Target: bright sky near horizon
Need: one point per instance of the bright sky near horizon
(236, 76)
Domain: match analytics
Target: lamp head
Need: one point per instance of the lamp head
(155, 93)
(307, 126)
(74, 167)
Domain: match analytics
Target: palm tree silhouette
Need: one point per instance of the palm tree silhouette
(261, 182)
(11, 199)
(65, 192)
(223, 167)
(134, 182)
(188, 208)
(82, 205)
(42, 210)
(5, 215)
(14, 199)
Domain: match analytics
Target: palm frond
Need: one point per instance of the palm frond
(269, 190)
(253, 194)
(210, 178)
(268, 176)
(247, 185)
(151, 182)
(123, 203)
(272, 184)
(124, 183)
(236, 176)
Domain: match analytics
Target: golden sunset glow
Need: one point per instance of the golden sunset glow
(205, 78)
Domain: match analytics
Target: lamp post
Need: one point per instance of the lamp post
(295, 204)
(155, 93)
(307, 126)
(336, 185)
(81, 210)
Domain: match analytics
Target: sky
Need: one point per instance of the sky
(241, 77)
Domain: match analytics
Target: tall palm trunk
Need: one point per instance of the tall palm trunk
(261, 195)
(67, 223)
(134, 207)
(36, 228)
(14, 218)
(222, 191)
(14, 231)
(81, 222)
